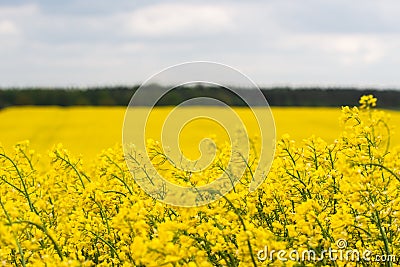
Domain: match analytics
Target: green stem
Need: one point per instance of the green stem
(20, 251)
(26, 194)
(44, 230)
(74, 168)
(384, 237)
(381, 166)
(244, 228)
(108, 244)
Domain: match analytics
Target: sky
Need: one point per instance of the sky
(124, 42)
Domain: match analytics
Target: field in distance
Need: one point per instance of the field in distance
(88, 130)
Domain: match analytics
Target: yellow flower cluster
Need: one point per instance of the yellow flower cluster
(367, 101)
(68, 214)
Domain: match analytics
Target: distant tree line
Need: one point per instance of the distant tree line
(120, 96)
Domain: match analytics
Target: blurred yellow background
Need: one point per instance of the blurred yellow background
(88, 130)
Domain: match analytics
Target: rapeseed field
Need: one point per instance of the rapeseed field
(89, 130)
(68, 199)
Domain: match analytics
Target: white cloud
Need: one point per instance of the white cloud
(12, 22)
(174, 19)
(349, 49)
(20, 11)
(357, 49)
(7, 27)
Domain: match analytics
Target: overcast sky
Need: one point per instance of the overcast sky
(102, 42)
